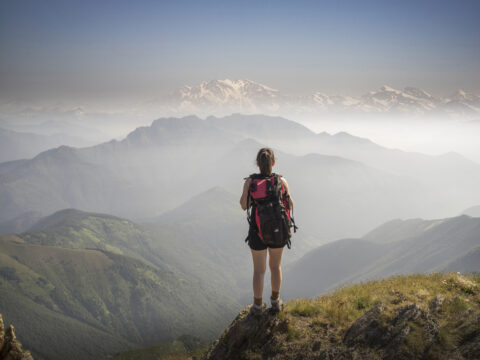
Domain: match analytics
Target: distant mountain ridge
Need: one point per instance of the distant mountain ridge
(396, 247)
(243, 95)
(225, 92)
(16, 145)
(473, 211)
(156, 168)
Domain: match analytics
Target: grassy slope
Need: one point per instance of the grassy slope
(195, 240)
(338, 310)
(120, 299)
(348, 303)
(71, 228)
(199, 249)
(182, 348)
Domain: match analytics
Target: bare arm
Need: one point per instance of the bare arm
(288, 192)
(244, 198)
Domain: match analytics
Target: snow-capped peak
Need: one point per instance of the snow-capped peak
(225, 91)
(389, 89)
(419, 93)
(225, 96)
(460, 95)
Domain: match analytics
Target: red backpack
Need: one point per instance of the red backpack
(270, 212)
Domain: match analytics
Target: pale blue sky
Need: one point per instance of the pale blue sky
(69, 49)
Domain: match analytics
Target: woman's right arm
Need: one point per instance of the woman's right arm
(244, 198)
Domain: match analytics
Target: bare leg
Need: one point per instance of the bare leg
(275, 260)
(259, 267)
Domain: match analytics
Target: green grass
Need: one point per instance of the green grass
(293, 333)
(304, 307)
(81, 230)
(182, 348)
(307, 327)
(125, 300)
(307, 319)
(348, 303)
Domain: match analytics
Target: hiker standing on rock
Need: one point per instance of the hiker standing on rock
(266, 197)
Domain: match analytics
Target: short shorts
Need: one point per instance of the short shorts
(255, 242)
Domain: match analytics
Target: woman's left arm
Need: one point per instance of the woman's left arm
(244, 198)
(288, 192)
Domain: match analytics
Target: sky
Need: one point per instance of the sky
(138, 49)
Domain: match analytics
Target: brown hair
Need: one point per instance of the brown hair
(265, 159)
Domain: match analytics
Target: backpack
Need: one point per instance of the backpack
(270, 213)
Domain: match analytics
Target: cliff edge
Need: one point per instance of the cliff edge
(434, 316)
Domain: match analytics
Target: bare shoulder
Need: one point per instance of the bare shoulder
(284, 181)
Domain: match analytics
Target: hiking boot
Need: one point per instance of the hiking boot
(277, 305)
(256, 310)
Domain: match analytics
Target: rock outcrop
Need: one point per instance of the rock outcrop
(248, 334)
(391, 334)
(10, 347)
(426, 319)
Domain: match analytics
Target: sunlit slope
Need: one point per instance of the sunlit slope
(101, 301)
(202, 238)
(77, 229)
(182, 348)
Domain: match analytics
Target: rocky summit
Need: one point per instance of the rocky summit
(10, 347)
(433, 316)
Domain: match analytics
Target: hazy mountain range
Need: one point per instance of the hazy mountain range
(23, 145)
(473, 211)
(74, 127)
(342, 187)
(227, 96)
(79, 263)
(92, 122)
(396, 247)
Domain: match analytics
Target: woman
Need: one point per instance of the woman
(265, 162)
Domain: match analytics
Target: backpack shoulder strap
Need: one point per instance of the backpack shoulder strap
(278, 184)
(249, 201)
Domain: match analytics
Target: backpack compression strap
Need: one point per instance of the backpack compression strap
(279, 186)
